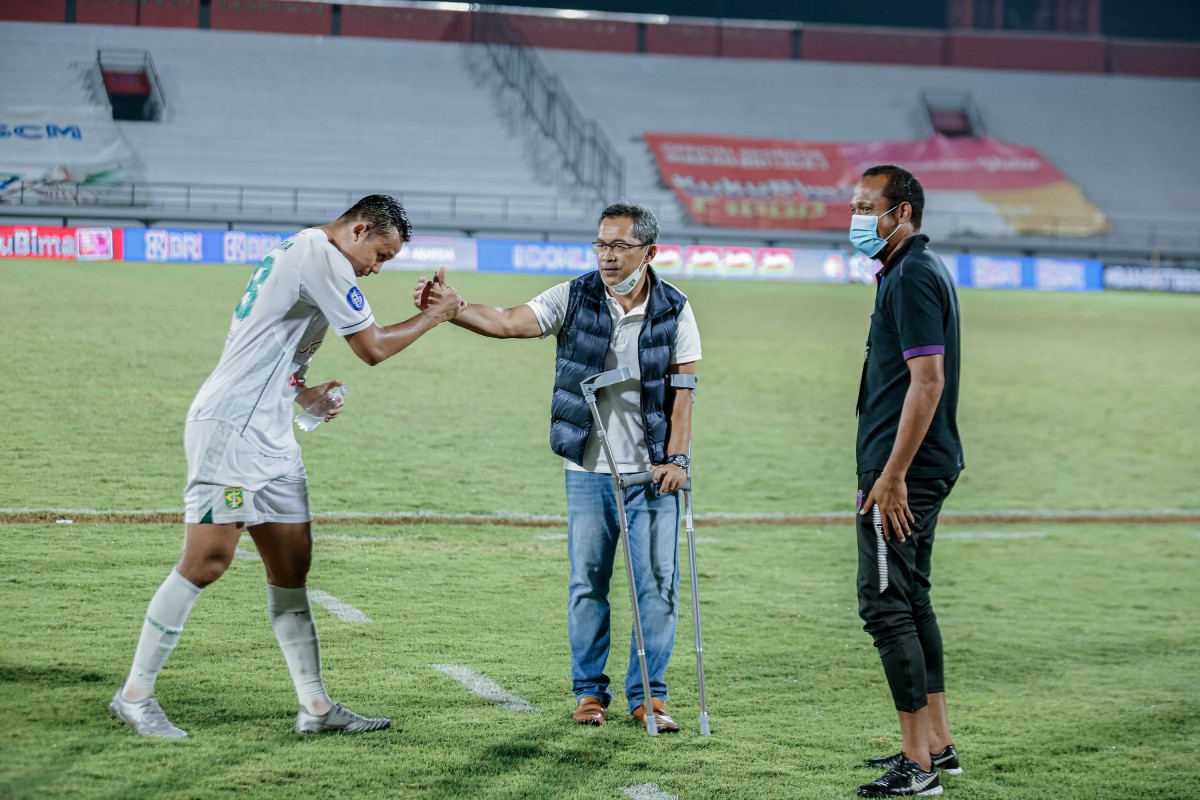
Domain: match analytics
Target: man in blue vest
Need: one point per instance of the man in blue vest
(621, 315)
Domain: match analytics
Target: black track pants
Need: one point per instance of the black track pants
(893, 593)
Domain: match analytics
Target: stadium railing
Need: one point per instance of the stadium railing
(152, 203)
(221, 203)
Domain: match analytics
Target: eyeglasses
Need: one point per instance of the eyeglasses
(620, 248)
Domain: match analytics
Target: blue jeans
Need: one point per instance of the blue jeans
(593, 533)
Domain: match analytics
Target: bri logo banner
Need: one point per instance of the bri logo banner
(985, 185)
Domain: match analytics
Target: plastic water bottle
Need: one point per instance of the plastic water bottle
(314, 415)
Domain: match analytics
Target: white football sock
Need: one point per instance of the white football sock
(169, 609)
(291, 618)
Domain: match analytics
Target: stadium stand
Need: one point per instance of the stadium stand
(290, 111)
(1127, 142)
(410, 116)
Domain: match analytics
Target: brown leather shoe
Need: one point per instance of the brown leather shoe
(661, 720)
(590, 711)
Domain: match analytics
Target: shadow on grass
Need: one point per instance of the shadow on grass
(46, 675)
(541, 761)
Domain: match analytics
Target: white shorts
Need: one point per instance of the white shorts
(230, 481)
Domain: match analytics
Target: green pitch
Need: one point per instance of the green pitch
(1073, 660)
(1069, 402)
(1073, 649)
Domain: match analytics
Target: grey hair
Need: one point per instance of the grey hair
(645, 224)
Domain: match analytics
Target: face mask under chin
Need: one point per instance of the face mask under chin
(626, 285)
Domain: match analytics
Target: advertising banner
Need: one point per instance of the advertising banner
(199, 246)
(535, 258)
(1041, 274)
(716, 262)
(63, 244)
(251, 247)
(571, 259)
(985, 186)
(57, 150)
(427, 253)
(1147, 277)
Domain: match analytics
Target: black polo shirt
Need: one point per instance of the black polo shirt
(916, 314)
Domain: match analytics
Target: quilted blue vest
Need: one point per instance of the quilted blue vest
(583, 343)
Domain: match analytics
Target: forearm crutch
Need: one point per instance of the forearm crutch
(681, 381)
(590, 386)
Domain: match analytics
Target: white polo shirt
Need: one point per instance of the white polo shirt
(620, 406)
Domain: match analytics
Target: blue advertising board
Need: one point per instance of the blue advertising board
(1024, 272)
(199, 246)
(571, 259)
(535, 258)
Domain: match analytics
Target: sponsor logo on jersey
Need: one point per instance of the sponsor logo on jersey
(233, 497)
(355, 298)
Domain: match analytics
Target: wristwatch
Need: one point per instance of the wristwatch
(681, 460)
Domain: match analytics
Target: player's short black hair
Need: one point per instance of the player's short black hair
(645, 224)
(902, 187)
(382, 213)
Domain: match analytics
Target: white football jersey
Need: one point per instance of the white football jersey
(303, 286)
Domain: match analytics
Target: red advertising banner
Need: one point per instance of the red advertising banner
(796, 185)
(62, 244)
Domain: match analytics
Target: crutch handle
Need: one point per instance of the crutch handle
(640, 478)
(590, 384)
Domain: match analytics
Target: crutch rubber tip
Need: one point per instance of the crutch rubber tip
(704, 731)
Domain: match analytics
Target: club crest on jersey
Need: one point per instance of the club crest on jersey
(233, 497)
(355, 298)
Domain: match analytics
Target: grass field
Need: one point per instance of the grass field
(1069, 402)
(1073, 649)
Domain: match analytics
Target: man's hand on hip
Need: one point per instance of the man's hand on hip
(890, 493)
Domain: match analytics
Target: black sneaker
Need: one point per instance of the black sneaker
(947, 761)
(906, 779)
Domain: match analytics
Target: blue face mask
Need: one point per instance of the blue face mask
(864, 232)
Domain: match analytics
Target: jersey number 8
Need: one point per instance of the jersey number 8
(256, 282)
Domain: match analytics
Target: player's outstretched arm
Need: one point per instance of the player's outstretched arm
(375, 344)
(518, 322)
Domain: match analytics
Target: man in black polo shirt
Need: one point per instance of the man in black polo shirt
(909, 456)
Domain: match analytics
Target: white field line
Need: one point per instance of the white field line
(343, 611)
(340, 609)
(969, 535)
(340, 538)
(512, 518)
(647, 791)
(252, 555)
(562, 537)
(444, 516)
(486, 688)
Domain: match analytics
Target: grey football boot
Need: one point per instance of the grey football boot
(146, 717)
(338, 718)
